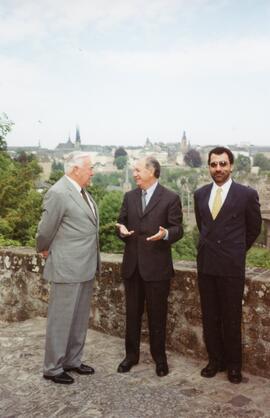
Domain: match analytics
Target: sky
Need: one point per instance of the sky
(127, 70)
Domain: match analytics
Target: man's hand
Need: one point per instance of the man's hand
(159, 235)
(123, 230)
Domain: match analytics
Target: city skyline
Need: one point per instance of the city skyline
(132, 69)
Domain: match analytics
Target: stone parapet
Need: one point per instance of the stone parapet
(24, 294)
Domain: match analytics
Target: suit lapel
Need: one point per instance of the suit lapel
(80, 202)
(205, 204)
(95, 207)
(155, 198)
(225, 211)
(138, 201)
(228, 205)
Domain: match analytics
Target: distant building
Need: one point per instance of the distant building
(184, 146)
(64, 147)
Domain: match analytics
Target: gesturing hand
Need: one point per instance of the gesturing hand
(123, 230)
(159, 235)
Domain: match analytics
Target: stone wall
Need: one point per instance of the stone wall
(24, 294)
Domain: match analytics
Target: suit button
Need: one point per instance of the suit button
(218, 241)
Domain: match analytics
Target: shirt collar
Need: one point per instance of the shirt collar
(225, 187)
(152, 188)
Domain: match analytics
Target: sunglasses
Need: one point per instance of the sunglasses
(220, 163)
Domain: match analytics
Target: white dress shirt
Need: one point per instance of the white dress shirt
(225, 190)
(149, 194)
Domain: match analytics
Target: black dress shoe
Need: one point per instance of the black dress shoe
(126, 365)
(234, 375)
(162, 369)
(82, 369)
(212, 368)
(62, 378)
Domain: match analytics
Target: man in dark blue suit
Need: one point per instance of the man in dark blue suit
(229, 220)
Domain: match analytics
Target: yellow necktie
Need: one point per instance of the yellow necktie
(217, 203)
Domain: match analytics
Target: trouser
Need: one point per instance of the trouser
(221, 304)
(155, 293)
(67, 324)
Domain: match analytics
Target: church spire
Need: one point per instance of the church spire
(78, 135)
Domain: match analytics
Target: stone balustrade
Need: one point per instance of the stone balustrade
(24, 294)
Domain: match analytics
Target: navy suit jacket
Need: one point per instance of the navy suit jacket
(153, 259)
(223, 242)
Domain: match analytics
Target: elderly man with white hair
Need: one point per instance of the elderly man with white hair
(68, 238)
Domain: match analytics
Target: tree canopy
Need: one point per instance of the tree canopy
(242, 163)
(20, 203)
(260, 160)
(109, 210)
(193, 158)
(5, 127)
(120, 158)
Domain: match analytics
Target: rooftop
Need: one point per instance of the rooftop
(108, 394)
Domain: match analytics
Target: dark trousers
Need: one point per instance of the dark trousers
(155, 294)
(221, 304)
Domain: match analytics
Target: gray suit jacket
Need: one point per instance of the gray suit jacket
(69, 231)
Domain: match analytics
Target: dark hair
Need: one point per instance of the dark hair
(219, 151)
(153, 162)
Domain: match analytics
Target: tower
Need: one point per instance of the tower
(184, 143)
(182, 150)
(78, 138)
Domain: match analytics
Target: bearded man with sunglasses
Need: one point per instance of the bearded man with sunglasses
(229, 221)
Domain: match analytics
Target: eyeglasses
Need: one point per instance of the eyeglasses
(214, 164)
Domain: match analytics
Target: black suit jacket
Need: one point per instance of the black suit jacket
(153, 259)
(224, 241)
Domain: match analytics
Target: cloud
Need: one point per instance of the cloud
(222, 58)
(21, 20)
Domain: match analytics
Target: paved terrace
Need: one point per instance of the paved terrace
(138, 394)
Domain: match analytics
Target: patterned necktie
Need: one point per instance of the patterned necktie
(144, 193)
(87, 201)
(217, 203)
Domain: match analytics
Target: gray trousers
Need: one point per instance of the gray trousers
(67, 324)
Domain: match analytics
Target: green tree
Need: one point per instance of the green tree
(185, 248)
(57, 171)
(120, 158)
(242, 163)
(193, 158)
(20, 203)
(107, 179)
(120, 152)
(120, 162)
(260, 160)
(109, 209)
(98, 192)
(57, 166)
(5, 128)
(258, 257)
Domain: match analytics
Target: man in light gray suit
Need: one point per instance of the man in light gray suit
(68, 237)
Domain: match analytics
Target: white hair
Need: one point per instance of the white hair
(74, 159)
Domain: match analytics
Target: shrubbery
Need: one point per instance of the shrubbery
(258, 257)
